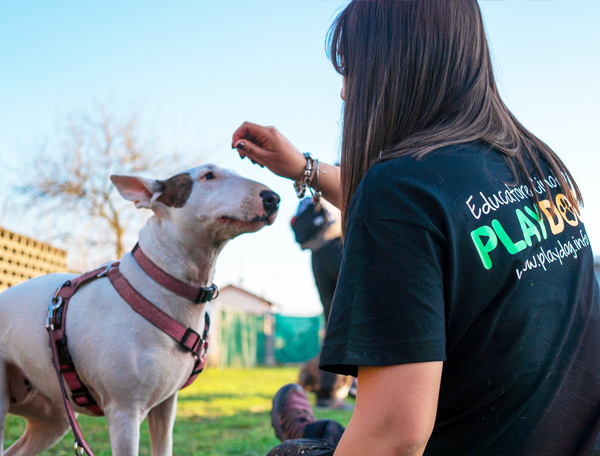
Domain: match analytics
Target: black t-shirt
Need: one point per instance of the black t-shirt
(447, 260)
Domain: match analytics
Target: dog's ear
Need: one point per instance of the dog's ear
(142, 191)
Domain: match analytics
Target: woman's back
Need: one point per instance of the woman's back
(468, 270)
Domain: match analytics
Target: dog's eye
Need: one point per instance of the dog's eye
(209, 176)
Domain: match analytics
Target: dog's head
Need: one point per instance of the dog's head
(205, 200)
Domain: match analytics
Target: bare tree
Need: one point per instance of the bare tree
(71, 174)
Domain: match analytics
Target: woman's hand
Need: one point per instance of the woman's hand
(267, 147)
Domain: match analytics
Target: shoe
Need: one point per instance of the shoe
(314, 447)
(291, 412)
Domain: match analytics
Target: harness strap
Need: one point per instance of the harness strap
(62, 361)
(79, 392)
(80, 442)
(189, 339)
(185, 290)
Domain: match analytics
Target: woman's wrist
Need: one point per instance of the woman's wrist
(297, 168)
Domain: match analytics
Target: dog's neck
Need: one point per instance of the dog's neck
(189, 260)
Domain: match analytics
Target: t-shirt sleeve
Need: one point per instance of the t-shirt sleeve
(389, 302)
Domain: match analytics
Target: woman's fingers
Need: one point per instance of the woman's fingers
(250, 139)
(256, 133)
(240, 133)
(248, 149)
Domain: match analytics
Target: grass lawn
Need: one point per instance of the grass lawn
(225, 412)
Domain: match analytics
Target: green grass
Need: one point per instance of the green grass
(225, 412)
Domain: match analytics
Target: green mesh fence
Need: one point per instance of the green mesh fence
(296, 338)
(242, 336)
(245, 344)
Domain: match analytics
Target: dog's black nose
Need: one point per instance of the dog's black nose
(270, 201)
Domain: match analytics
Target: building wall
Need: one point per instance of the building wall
(22, 258)
(241, 332)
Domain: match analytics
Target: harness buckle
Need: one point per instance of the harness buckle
(57, 292)
(196, 346)
(82, 393)
(207, 294)
(105, 272)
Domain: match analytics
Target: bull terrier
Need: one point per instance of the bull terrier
(132, 369)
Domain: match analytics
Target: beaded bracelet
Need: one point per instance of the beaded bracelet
(310, 171)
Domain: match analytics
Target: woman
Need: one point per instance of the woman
(467, 303)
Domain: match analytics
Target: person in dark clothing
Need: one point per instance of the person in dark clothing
(326, 263)
(317, 228)
(467, 302)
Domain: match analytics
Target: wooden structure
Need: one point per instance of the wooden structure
(22, 258)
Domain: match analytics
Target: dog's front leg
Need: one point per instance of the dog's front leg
(160, 425)
(124, 428)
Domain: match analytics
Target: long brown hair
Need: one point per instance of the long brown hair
(418, 76)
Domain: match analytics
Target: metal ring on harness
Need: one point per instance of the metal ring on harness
(78, 449)
(57, 303)
(103, 273)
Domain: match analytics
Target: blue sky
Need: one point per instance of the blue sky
(201, 68)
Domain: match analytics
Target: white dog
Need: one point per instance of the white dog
(132, 369)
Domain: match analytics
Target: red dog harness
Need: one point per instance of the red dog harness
(56, 322)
